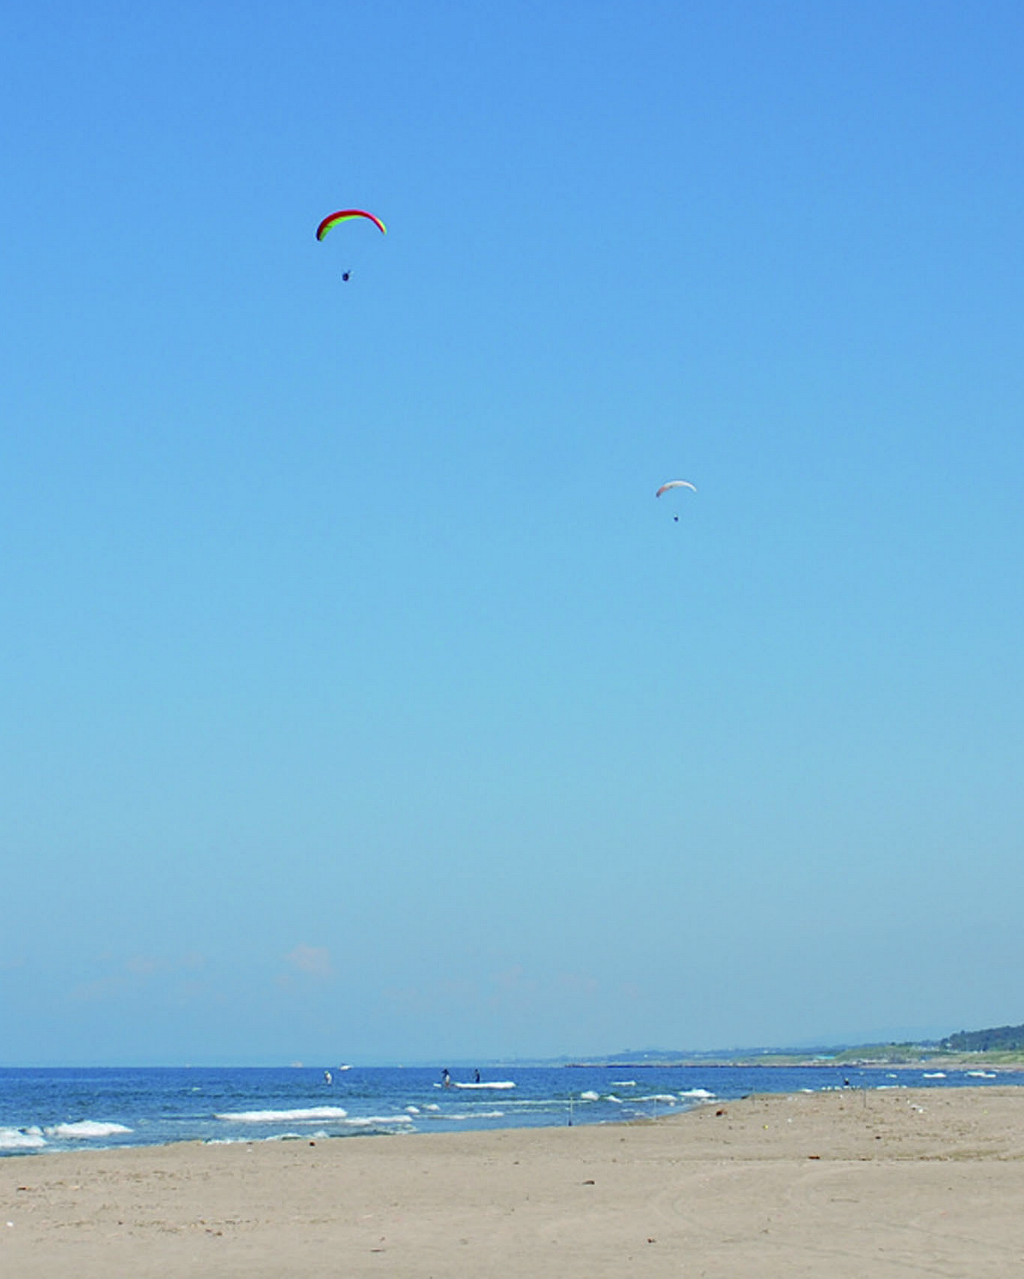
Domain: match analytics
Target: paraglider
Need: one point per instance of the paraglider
(348, 215)
(676, 484)
(344, 215)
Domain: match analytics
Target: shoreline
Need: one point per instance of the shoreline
(901, 1182)
(155, 1107)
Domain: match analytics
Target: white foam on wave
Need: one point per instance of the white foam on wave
(701, 1093)
(479, 1114)
(612, 1097)
(935, 1074)
(667, 1097)
(312, 1115)
(21, 1139)
(501, 1083)
(623, 1083)
(981, 1074)
(273, 1137)
(85, 1130)
(589, 1096)
(377, 1121)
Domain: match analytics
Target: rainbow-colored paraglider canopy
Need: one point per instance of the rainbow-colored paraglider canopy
(343, 215)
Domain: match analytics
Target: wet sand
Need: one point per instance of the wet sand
(829, 1185)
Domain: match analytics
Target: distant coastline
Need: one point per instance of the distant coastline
(768, 1061)
(1001, 1048)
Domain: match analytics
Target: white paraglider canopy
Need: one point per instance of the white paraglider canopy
(676, 484)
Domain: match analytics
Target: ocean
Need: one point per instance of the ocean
(44, 1110)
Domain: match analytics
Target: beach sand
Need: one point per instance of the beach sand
(860, 1184)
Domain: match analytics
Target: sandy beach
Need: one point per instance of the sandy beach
(860, 1184)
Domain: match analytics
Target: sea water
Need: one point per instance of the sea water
(43, 1110)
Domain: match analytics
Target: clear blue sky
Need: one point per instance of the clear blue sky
(359, 701)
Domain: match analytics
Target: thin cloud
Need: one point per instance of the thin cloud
(314, 961)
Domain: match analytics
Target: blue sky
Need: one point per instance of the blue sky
(359, 700)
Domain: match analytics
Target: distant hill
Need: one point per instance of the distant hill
(998, 1039)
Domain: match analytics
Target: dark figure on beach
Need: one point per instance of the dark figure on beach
(477, 1073)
